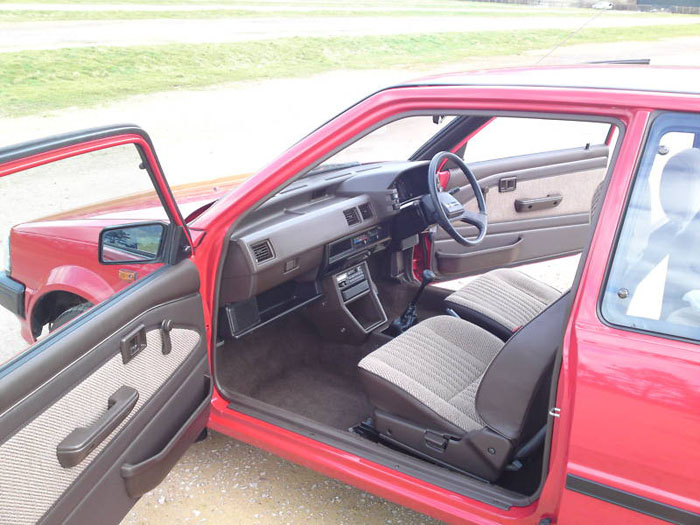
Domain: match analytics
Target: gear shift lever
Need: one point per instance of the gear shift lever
(428, 277)
(410, 316)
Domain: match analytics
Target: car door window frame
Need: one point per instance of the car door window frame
(176, 243)
(642, 167)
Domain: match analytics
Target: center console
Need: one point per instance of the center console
(339, 296)
(350, 308)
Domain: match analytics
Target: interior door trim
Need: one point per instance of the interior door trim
(531, 173)
(38, 365)
(31, 474)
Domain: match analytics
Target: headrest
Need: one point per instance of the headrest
(680, 186)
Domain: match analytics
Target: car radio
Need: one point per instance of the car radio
(352, 282)
(357, 243)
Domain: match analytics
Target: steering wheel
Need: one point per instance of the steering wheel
(444, 208)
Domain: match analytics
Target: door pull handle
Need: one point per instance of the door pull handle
(540, 203)
(78, 445)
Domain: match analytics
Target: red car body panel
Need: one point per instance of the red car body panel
(38, 246)
(71, 240)
(630, 403)
(631, 109)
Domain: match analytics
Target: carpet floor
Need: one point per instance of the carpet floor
(318, 394)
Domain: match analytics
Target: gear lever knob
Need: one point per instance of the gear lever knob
(428, 276)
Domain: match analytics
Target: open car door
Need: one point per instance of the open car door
(96, 413)
(538, 202)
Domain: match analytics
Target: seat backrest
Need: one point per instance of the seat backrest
(513, 394)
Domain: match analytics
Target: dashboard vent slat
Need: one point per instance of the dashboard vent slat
(351, 216)
(262, 251)
(365, 211)
(318, 194)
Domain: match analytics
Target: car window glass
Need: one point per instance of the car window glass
(512, 136)
(50, 224)
(397, 140)
(654, 280)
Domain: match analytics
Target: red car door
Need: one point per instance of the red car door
(633, 358)
(96, 413)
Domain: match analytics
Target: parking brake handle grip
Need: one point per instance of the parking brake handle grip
(77, 445)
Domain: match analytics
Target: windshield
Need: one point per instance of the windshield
(395, 141)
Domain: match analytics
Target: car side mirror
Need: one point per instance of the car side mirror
(132, 243)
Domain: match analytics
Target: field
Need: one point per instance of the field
(48, 59)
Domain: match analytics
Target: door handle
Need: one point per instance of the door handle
(77, 445)
(540, 203)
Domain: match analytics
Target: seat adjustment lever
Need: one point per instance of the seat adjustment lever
(435, 441)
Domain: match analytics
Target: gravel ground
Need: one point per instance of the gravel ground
(225, 481)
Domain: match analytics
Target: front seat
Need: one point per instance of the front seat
(454, 393)
(503, 300)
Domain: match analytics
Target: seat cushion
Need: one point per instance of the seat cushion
(502, 300)
(438, 364)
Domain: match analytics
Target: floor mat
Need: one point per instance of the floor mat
(319, 394)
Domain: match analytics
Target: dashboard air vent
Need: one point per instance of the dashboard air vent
(318, 194)
(351, 216)
(262, 251)
(365, 211)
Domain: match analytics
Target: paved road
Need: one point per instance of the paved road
(53, 35)
(273, 6)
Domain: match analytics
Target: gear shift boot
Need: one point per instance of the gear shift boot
(410, 315)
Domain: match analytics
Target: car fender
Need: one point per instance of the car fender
(77, 280)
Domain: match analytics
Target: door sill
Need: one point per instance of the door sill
(352, 443)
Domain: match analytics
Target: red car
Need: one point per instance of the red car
(295, 311)
(54, 261)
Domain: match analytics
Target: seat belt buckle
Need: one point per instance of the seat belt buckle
(435, 441)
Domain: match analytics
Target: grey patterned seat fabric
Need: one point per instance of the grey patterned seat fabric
(444, 380)
(453, 392)
(502, 300)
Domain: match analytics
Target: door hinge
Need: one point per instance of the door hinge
(555, 412)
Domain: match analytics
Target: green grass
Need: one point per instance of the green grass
(38, 81)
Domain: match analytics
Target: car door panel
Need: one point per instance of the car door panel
(565, 180)
(97, 412)
(575, 190)
(34, 483)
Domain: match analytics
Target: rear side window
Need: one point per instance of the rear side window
(654, 280)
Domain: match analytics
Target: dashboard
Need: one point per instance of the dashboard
(316, 227)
